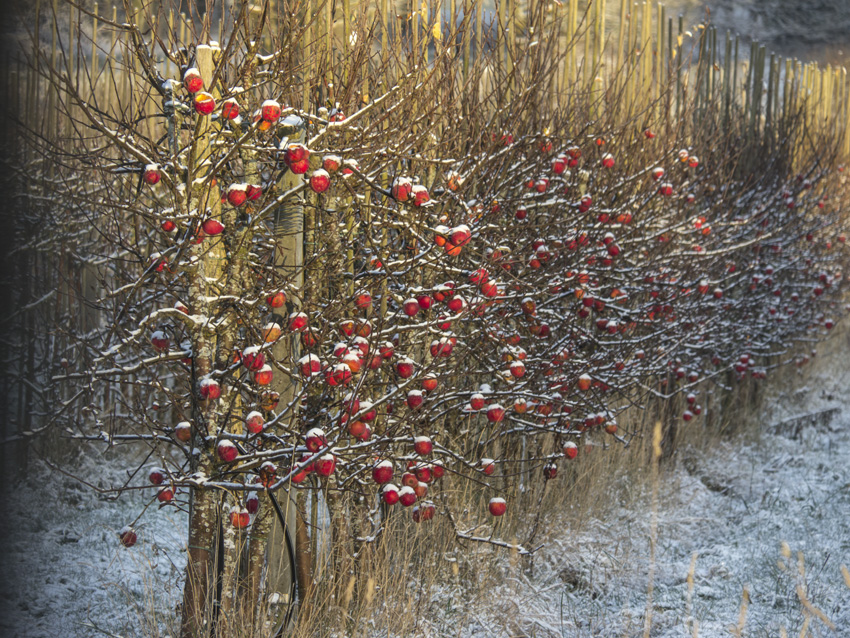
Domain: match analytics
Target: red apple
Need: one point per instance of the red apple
(414, 399)
(559, 164)
(406, 496)
(310, 365)
(368, 413)
(331, 163)
(254, 192)
(254, 422)
(320, 180)
(209, 389)
(497, 506)
(297, 321)
(495, 413)
(270, 111)
(192, 81)
(253, 358)
(204, 103)
(363, 300)
(420, 195)
(152, 175)
(127, 536)
(429, 383)
(159, 340)
(424, 512)
(460, 235)
(423, 473)
(422, 445)
(227, 451)
(295, 153)
(402, 189)
(183, 431)
(349, 166)
(390, 494)
(315, 440)
(325, 465)
(356, 428)
(276, 299)
(477, 401)
(212, 227)
(404, 368)
(456, 303)
(570, 450)
(437, 469)
(410, 307)
(264, 375)
(230, 109)
(361, 345)
(240, 518)
(382, 472)
(156, 476)
(237, 194)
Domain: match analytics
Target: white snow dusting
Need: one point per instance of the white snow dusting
(732, 506)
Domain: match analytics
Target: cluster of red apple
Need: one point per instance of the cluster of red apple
(571, 279)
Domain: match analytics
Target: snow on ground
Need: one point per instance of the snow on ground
(733, 507)
(64, 568)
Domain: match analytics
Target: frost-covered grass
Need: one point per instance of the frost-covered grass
(64, 568)
(727, 510)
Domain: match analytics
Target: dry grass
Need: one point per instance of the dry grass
(411, 567)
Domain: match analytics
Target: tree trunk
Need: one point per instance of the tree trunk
(204, 513)
(289, 259)
(203, 521)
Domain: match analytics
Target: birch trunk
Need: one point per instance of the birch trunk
(204, 513)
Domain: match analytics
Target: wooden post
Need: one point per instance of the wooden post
(846, 113)
(204, 513)
(621, 34)
(659, 56)
(768, 123)
(289, 261)
(646, 54)
(52, 98)
(631, 71)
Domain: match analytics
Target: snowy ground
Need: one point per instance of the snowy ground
(64, 569)
(732, 507)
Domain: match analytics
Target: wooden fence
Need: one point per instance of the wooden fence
(651, 64)
(650, 69)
